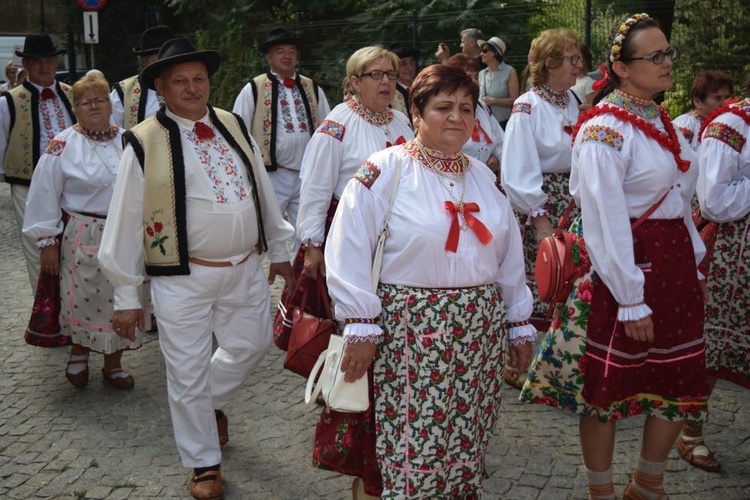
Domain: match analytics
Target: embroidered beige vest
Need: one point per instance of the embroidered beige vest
(133, 101)
(399, 102)
(164, 213)
(263, 127)
(22, 152)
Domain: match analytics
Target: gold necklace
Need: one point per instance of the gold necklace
(458, 178)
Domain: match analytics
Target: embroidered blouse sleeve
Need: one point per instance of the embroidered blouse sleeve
(723, 181)
(354, 234)
(521, 174)
(602, 158)
(121, 250)
(42, 218)
(320, 174)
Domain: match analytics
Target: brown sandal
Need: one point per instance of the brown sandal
(694, 450)
(126, 382)
(80, 379)
(513, 378)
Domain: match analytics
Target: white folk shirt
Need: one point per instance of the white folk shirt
(291, 139)
(221, 226)
(118, 109)
(490, 137)
(724, 180)
(80, 179)
(45, 136)
(336, 151)
(535, 143)
(415, 252)
(616, 178)
(689, 125)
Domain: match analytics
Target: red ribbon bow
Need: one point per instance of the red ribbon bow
(476, 133)
(400, 140)
(484, 235)
(47, 94)
(203, 131)
(289, 83)
(601, 83)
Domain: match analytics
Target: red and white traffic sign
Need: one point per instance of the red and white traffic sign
(91, 4)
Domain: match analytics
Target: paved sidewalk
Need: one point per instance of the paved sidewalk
(57, 441)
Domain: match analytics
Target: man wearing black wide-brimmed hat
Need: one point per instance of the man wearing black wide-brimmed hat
(282, 109)
(194, 204)
(131, 102)
(31, 115)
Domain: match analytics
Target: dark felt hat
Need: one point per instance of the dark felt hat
(38, 47)
(279, 36)
(176, 51)
(152, 39)
(402, 51)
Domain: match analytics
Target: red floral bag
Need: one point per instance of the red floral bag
(310, 334)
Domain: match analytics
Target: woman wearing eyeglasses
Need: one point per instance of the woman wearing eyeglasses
(498, 82)
(629, 339)
(66, 210)
(537, 148)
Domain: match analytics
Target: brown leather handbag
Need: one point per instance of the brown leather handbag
(310, 334)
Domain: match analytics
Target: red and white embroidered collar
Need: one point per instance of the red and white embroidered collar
(732, 105)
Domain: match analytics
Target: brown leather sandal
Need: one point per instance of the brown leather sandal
(694, 450)
(126, 382)
(513, 378)
(80, 379)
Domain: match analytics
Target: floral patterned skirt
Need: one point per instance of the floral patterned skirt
(437, 381)
(557, 188)
(87, 298)
(728, 307)
(587, 365)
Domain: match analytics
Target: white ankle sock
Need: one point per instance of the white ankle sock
(652, 486)
(600, 484)
(76, 368)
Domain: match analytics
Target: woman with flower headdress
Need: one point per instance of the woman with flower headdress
(629, 339)
(536, 150)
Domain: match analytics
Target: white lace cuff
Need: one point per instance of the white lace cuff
(538, 212)
(633, 312)
(46, 242)
(361, 332)
(518, 335)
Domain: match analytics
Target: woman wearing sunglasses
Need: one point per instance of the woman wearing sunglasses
(629, 339)
(498, 82)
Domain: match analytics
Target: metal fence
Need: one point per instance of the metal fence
(712, 34)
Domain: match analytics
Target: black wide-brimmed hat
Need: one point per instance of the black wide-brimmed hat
(401, 51)
(38, 47)
(279, 36)
(176, 51)
(152, 39)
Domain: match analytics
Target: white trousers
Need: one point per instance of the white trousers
(286, 186)
(19, 194)
(230, 303)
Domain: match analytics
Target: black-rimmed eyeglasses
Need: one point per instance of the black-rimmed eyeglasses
(657, 57)
(378, 75)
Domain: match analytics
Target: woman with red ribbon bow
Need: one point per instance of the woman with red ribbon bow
(629, 339)
(452, 276)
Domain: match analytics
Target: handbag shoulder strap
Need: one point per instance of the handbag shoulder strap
(377, 260)
(564, 219)
(648, 212)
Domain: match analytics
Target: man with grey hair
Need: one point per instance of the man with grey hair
(471, 41)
